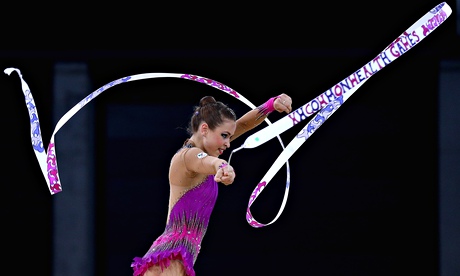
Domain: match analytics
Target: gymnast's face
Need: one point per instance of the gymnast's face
(217, 140)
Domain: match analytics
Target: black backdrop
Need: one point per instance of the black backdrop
(363, 196)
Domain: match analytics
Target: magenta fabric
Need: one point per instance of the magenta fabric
(188, 222)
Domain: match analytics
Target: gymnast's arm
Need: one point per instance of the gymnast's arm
(253, 118)
(209, 165)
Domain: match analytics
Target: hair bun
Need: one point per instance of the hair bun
(207, 100)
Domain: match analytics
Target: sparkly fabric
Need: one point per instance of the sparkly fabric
(181, 240)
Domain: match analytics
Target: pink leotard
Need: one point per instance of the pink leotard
(181, 240)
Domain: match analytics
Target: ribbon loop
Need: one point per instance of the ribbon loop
(322, 107)
(328, 102)
(48, 159)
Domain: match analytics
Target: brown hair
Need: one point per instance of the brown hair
(210, 111)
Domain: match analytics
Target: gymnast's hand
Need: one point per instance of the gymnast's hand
(225, 175)
(283, 103)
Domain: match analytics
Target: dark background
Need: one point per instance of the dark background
(364, 189)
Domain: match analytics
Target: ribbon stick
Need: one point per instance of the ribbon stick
(328, 102)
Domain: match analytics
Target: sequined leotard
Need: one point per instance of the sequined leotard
(184, 231)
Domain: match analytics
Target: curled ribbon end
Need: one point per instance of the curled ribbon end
(8, 71)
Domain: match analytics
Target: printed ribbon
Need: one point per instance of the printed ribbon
(328, 102)
(323, 106)
(47, 159)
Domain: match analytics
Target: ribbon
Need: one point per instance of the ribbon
(329, 101)
(323, 106)
(47, 159)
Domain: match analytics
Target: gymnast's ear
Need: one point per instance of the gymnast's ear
(204, 128)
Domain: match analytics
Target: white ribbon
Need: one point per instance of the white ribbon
(328, 102)
(48, 159)
(323, 106)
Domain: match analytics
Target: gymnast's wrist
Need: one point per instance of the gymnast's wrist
(220, 164)
(268, 107)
